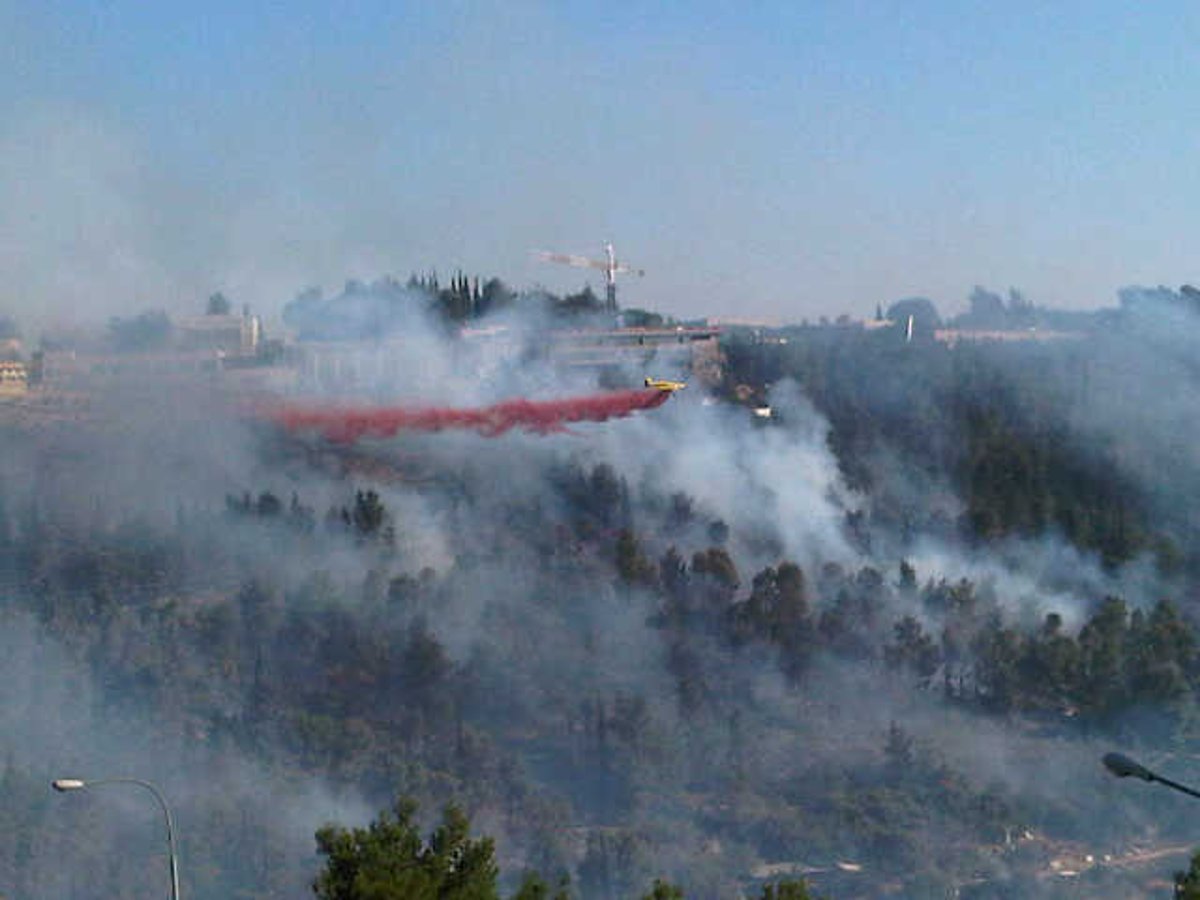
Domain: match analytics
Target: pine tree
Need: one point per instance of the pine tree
(387, 860)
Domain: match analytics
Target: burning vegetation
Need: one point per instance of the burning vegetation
(872, 644)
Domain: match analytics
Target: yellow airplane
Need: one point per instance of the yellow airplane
(660, 384)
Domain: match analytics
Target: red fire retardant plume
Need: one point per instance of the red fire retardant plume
(349, 424)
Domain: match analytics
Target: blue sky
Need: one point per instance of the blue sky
(765, 160)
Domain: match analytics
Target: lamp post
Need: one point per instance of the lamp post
(78, 784)
(1124, 767)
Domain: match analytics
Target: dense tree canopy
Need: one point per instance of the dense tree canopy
(388, 860)
(627, 688)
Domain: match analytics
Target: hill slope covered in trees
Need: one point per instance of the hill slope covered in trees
(880, 641)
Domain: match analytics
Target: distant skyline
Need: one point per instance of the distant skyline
(774, 160)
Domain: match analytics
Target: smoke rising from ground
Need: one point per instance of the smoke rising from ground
(531, 610)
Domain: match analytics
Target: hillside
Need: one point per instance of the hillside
(880, 639)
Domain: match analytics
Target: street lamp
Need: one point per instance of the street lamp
(78, 784)
(1124, 767)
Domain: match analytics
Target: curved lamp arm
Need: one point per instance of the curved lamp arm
(78, 784)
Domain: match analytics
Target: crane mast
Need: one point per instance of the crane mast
(609, 265)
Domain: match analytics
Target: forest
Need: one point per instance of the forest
(873, 645)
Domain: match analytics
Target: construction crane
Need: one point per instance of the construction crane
(608, 265)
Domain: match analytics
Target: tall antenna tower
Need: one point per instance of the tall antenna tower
(608, 265)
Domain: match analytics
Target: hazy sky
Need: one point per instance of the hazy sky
(762, 159)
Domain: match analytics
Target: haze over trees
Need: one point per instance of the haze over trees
(386, 306)
(608, 656)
